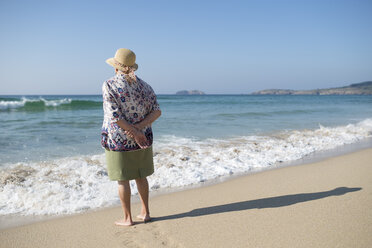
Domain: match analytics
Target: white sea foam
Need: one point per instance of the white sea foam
(56, 103)
(12, 104)
(4, 105)
(74, 184)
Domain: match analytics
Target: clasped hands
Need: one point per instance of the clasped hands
(135, 133)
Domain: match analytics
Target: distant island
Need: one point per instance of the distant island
(190, 92)
(364, 88)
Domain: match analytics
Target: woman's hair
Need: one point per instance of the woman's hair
(129, 68)
(129, 74)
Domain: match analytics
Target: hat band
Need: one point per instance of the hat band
(120, 64)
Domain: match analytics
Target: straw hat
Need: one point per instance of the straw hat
(123, 57)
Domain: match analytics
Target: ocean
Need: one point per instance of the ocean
(51, 161)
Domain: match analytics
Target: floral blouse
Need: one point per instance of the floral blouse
(129, 101)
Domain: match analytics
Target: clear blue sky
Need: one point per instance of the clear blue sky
(60, 47)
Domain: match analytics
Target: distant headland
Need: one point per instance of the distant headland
(364, 88)
(190, 92)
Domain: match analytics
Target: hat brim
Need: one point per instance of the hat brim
(112, 62)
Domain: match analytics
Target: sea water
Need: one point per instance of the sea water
(51, 161)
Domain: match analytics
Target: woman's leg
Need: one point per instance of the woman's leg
(124, 194)
(143, 190)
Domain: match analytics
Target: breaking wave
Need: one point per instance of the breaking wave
(41, 104)
(75, 184)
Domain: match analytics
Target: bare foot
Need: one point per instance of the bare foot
(145, 218)
(121, 222)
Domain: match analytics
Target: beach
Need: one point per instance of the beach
(259, 118)
(322, 204)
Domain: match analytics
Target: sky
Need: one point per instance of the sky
(219, 47)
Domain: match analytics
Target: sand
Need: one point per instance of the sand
(322, 204)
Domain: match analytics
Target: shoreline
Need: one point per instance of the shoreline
(321, 204)
(13, 221)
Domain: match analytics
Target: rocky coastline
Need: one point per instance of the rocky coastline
(364, 88)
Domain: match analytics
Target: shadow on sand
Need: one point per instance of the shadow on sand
(270, 202)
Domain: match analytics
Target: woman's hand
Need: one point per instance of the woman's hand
(138, 136)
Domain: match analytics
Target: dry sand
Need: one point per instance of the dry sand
(322, 204)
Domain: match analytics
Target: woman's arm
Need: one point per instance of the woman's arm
(125, 125)
(150, 118)
(134, 133)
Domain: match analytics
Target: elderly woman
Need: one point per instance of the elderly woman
(130, 106)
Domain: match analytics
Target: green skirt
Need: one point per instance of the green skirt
(129, 165)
